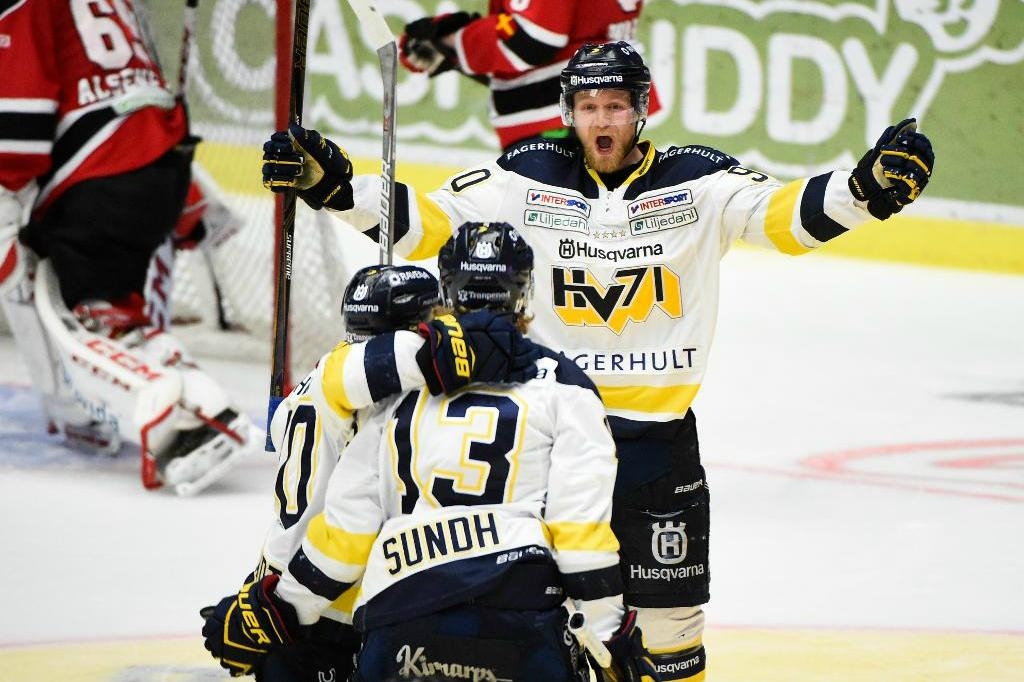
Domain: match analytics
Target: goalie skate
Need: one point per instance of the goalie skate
(198, 457)
(94, 437)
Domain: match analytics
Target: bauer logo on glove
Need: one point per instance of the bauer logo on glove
(895, 171)
(318, 170)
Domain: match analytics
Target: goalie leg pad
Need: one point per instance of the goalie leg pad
(85, 430)
(150, 390)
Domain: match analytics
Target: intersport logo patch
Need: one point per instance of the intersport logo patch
(538, 197)
(660, 202)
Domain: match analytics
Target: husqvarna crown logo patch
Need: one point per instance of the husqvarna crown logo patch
(668, 542)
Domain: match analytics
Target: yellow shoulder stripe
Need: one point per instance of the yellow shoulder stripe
(572, 535)
(778, 222)
(338, 544)
(333, 384)
(437, 228)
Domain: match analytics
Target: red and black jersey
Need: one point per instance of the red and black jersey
(81, 95)
(523, 46)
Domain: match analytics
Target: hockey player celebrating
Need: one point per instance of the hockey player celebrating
(629, 240)
(519, 49)
(94, 167)
(383, 355)
(464, 516)
(310, 429)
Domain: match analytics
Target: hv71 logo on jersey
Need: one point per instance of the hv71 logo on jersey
(580, 299)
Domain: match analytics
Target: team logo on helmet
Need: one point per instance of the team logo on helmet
(360, 292)
(484, 249)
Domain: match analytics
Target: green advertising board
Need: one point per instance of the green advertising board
(791, 87)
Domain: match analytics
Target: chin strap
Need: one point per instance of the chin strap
(639, 129)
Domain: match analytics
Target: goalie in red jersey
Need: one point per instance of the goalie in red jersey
(94, 167)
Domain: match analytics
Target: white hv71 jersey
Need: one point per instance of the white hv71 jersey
(438, 499)
(626, 280)
(311, 428)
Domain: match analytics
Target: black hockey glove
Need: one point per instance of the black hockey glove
(315, 167)
(327, 651)
(630, 662)
(422, 50)
(893, 173)
(243, 628)
(478, 346)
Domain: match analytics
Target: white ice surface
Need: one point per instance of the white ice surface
(814, 356)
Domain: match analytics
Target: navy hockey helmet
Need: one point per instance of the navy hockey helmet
(486, 265)
(384, 298)
(606, 66)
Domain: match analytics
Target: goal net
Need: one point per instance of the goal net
(222, 300)
(236, 100)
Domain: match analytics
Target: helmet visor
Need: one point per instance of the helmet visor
(601, 107)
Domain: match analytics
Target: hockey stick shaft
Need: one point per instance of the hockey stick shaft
(383, 41)
(188, 36)
(286, 233)
(586, 637)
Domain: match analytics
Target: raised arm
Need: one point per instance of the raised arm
(804, 214)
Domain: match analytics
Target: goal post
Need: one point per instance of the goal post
(238, 90)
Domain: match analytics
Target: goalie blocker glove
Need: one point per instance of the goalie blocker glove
(478, 346)
(317, 169)
(630, 662)
(421, 49)
(893, 173)
(242, 629)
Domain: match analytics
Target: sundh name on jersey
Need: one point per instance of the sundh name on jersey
(440, 541)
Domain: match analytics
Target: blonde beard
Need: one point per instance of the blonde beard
(601, 164)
